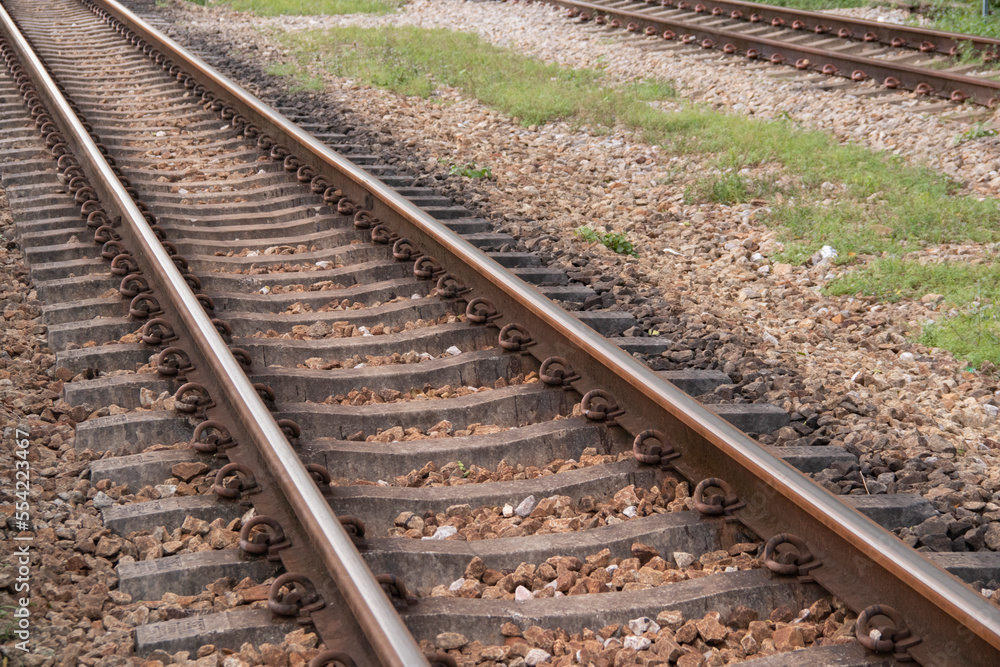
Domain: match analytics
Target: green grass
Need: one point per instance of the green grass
(892, 279)
(877, 205)
(815, 5)
(412, 61)
(302, 80)
(308, 7)
(971, 289)
(470, 171)
(966, 18)
(614, 241)
(974, 336)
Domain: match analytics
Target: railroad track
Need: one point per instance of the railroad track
(267, 317)
(899, 57)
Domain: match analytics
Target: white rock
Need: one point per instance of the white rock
(457, 584)
(508, 510)
(827, 252)
(631, 511)
(525, 507)
(643, 624)
(453, 351)
(522, 593)
(442, 532)
(637, 643)
(683, 559)
(768, 338)
(166, 490)
(906, 356)
(536, 656)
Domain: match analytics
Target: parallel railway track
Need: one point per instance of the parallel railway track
(897, 56)
(329, 329)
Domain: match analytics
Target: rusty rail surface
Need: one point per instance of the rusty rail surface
(690, 27)
(864, 565)
(386, 634)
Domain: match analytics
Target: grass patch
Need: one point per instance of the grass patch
(859, 201)
(815, 5)
(302, 79)
(963, 17)
(972, 289)
(308, 7)
(614, 241)
(883, 204)
(974, 337)
(470, 171)
(730, 187)
(892, 279)
(412, 61)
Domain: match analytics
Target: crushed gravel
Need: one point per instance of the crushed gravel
(842, 367)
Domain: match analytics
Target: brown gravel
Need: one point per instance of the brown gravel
(555, 514)
(366, 396)
(843, 367)
(345, 329)
(411, 357)
(76, 614)
(455, 473)
(709, 641)
(596, 573)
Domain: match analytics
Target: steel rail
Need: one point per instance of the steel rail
(885, 32)
(862, 563)
(386, 633)
(942, 83)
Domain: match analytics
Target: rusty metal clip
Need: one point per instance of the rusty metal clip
(332, 659)
(157, 331)
(797, 561)
(211, 437)
(600, 406)
(354, 526)
(244, 483)
(450, 287)
(514, 338)
(321, 476)
(265, 392)
(112, 249)
(173, 361)
(427, 267)
(404, 249)
(716, 505)
(898, 640)
(396, 590)
(660, 453)
(106, 233)
(289, 428)
(132, 285)
(192, 397)
(144, 306)
(123, 264)
(270, 539)
(383, 235)
(242, 357)
(301, 598)
(364, 219)
(481, 310)
(560, 376)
